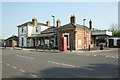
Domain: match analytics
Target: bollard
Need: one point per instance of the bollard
(101, 46)
(89, 47)
(70, 48)
(36, 48)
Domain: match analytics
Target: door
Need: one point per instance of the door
(67, 36)
(111, 43)
(118, 43)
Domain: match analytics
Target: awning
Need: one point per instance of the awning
(101, 32)
(43, 35)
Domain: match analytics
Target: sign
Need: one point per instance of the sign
(79, 42)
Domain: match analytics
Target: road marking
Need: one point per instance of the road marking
(7, 64)
(32, 75)
(14, 67)
(61, 64)
(107, 56)
(25, 57)
(94, 55)
(69, 65)
(113, 56)
(87, 68)
(21, 70)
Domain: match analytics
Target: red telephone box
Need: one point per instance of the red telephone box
(63, 45)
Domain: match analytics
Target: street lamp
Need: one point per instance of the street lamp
(84, 32)
(53, 20)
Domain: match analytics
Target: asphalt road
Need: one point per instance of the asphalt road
(30, 64)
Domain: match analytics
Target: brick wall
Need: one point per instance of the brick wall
(79, 39)
(71, 37)
(76, 38)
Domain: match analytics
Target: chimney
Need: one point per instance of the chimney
(90, 24)
(34, 21)
(48, 23)
(73, 19)
(58, 23)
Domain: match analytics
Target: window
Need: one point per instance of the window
(37, 29)
(22, 42)
(22, 29)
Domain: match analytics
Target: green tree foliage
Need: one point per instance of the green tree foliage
(115, 30)
(2, 40)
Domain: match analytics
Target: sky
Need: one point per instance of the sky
(102, 14)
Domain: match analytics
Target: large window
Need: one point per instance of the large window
(22, 41)
(22, 29)
(36, 28)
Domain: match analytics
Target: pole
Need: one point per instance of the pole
(84, 32)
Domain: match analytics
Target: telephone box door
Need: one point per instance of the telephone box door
(63, 45)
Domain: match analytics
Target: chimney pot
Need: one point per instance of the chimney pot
(58, 23)
(48, 23)
(90, 24)
(34, 21)
(73, 19)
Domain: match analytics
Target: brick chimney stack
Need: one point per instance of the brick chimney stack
(73, 19)
(34, 21)
(58, 23)
(90, 24)
(48, 23)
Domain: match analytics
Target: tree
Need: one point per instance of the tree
(2, 40)
(115, 31)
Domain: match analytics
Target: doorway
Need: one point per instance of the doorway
(111, 43)
(67, 36)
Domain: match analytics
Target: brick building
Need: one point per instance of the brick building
(32, 34)
(78, 36)
(12, 41)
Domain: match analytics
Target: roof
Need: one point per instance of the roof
(73, 26)
(25, 24)
(44, 35)
(101, 32)
(13, 38)
(49, 30)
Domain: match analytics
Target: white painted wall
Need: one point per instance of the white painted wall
(43, 28)
(24, 42)
(20, 39)
(28, 31)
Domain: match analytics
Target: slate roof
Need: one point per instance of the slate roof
(25, 24)
(73, 26)
(49, 30)
(67, 26)
(13, 38)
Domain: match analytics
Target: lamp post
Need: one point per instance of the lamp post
(53, 20)
(84, 32)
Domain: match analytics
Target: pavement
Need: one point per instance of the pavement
(96, 49)
(47, 64)
(93, 51)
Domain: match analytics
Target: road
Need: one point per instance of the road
(31, 64)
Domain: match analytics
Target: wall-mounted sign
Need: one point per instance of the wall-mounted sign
(79, 42)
